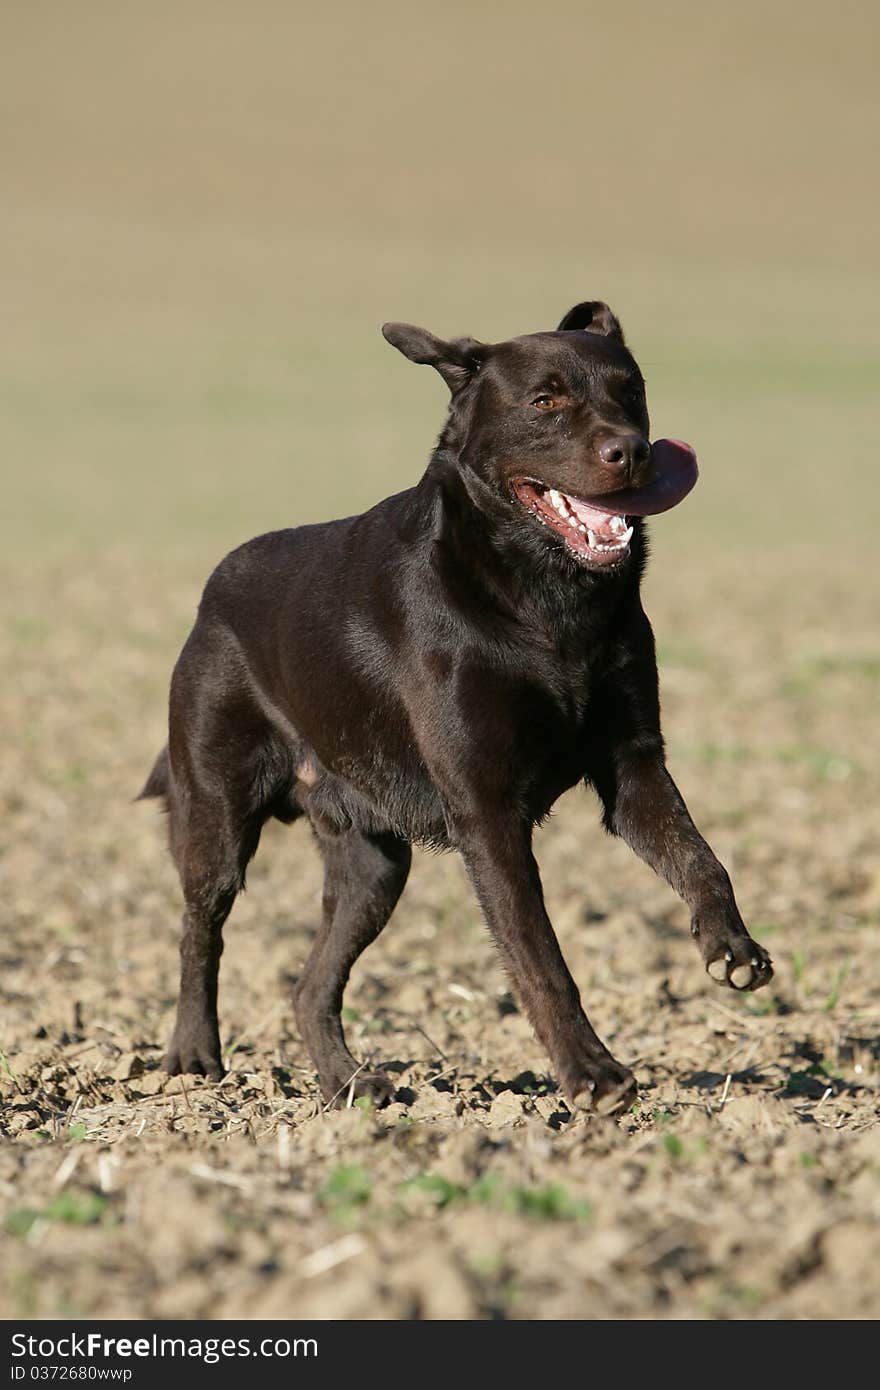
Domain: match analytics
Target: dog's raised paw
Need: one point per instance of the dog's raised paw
(745, 967)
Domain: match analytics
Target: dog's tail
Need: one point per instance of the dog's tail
(158, 781)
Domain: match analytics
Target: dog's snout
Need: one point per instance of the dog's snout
(628, 452)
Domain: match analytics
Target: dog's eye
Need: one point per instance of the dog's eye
(544, 403)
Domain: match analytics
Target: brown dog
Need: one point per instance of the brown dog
(440, 670)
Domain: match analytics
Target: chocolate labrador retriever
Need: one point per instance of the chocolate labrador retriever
(440, 670)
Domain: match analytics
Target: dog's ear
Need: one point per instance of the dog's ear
(594, 317)
(457, 361)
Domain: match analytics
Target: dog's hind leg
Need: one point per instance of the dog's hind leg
(213, 837)
(364, 875)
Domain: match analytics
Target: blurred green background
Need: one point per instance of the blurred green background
(209, 210)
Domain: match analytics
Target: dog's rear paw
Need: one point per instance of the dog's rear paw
(194, 1055)
(606, 1088)
(371, 1085)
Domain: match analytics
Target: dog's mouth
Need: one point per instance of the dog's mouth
(597, 531)
(593, 536)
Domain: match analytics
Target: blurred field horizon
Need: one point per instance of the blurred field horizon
(208, 212)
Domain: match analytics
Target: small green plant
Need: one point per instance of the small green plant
(673, 1146)
(834, 996)
(348, 1189)
(549, 1202)
(77, 1132)
(71, 1208)
(661, 1116)
(546, 1202)
(441, 1190)
(6, 1065)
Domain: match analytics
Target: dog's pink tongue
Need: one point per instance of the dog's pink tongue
(675, 464)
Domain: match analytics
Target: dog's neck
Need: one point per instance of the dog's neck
(475, 531)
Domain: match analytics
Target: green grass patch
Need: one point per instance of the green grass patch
(348, 1189)
(833, 997)
(680, 1152)
(673, 1146)
(70, 1208)
(541, 1202)
(6, 1066)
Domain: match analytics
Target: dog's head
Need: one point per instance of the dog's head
(556, 425)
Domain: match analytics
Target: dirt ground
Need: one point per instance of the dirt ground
(745, 1183)
(202, 242)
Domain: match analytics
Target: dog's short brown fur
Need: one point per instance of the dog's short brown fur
(440, 670)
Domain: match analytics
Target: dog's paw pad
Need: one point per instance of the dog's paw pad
(742, 975)
(745, 968)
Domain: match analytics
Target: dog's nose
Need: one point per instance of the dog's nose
(628, 452)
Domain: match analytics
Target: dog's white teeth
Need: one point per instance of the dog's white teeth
(620, 538)
(617, 525)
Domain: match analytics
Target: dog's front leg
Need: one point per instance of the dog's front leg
(644, 807)
(497, 852)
